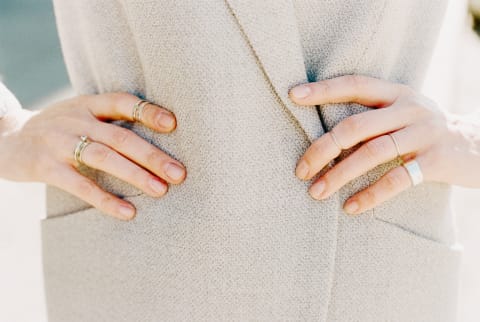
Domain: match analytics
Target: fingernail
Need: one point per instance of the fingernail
(174, 171)
(302, 169)
(157, 186)
(351, 207)
(126, 211)
(301, 91)
(317, 189)
(165, 120)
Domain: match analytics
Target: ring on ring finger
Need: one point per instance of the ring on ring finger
(414, 171)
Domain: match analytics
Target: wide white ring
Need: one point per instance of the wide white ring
(413, 169)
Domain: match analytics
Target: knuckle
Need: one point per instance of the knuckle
(393, 180)
(406, 89)
(430, 161)
(368, 197)
(419, 107)
(86, 187)
(120, 97)
(100, 154)
(355, 123)
(137, 176)
(330, 176)
(374, 148)
(120, 136)
(435, 129)
(107, 202)
(336, 176)
(44, 164)
(153, 158)
(326, 88)
(357, 82)
(315, 149)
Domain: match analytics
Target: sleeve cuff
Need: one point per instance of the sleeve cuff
(8, 101)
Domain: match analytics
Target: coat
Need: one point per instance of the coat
(241, 239)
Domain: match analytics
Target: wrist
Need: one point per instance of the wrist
(14, 120)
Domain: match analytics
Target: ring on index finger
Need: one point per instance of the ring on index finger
(138, 110)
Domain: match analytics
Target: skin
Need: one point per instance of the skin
(39, 145)
(446, 146)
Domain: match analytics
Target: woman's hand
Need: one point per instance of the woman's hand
(39, 147)
(446, 147)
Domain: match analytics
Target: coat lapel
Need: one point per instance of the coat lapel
(271, 30)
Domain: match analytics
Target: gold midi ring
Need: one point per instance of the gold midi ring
(414, 171)
(84, 141)
(396, 144)
(335, 140)
(138, 110)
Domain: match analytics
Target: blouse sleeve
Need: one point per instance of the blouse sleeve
(8, 101)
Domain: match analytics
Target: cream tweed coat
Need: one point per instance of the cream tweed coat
(241, 239)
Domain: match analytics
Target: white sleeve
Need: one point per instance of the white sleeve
(8, 101)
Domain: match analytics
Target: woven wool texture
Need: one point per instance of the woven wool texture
(241, 239)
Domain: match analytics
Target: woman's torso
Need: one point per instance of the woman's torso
(241, 238)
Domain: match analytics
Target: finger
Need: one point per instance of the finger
(388, 186)
(360, 89)
(120, 106)
(70, 180)
(351, 131)
(100, 156)
(135, 148)
(371, 154)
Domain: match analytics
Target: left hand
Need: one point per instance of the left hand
(446, 146)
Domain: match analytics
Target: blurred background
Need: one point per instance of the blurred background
(31, 66)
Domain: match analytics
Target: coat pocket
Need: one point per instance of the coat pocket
(62, 203)
(385, 272)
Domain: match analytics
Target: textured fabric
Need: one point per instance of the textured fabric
(241, 239)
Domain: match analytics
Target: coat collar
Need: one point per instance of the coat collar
(275, 41)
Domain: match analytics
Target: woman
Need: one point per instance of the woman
(251, 233)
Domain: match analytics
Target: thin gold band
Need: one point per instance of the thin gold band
(335, 140)
(396, 144)
(81, 145)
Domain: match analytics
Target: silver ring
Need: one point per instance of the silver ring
(414, 171)
(138, 110)
(84, 141)
(396, 144)
(335, 140)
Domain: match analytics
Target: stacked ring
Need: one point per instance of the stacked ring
(84, 141)
(138, 110)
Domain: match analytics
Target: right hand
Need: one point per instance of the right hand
(40, 148)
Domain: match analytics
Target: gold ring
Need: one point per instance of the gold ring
(335, 140)
(138, 110)
(396, 144)
(84, 141)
